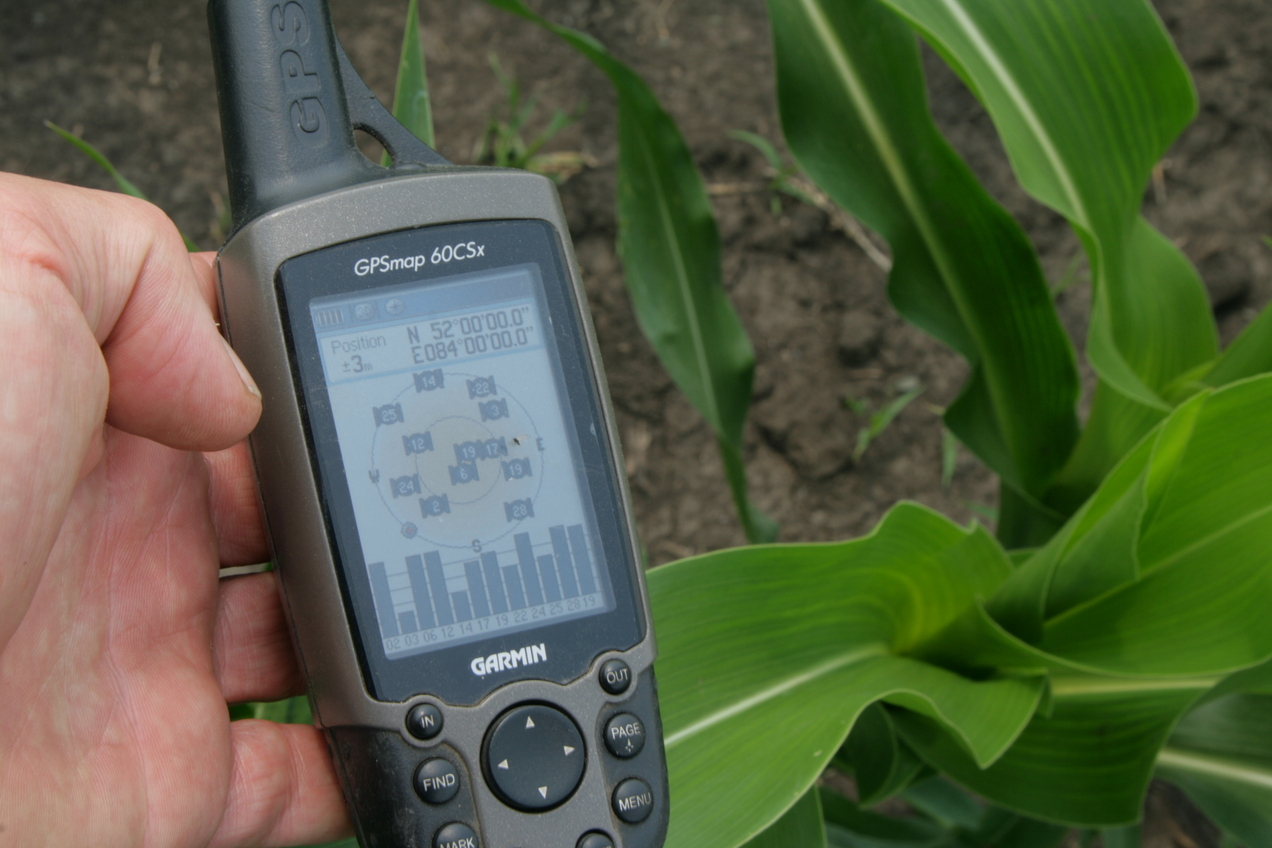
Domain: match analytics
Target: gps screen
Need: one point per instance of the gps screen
(449, 411)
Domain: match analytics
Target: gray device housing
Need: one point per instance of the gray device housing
(372, 748)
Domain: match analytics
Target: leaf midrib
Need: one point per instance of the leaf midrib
(906, 190)
(1017, 96)
(712, 412)
(1163, 564)
(1215, 766)
(1063, 686)
(773, 690)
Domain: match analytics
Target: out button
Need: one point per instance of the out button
(534, 757)
(615, 677)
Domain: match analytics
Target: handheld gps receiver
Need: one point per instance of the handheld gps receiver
(438, 463)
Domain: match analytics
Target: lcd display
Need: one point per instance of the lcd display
(450, 413)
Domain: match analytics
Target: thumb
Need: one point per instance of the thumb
(172, 377)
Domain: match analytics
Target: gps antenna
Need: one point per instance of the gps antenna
(290, 101)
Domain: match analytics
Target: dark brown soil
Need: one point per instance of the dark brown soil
(134, 78)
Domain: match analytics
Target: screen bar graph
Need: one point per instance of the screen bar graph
(423, 595)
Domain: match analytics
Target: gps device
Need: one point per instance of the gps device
(438, 463)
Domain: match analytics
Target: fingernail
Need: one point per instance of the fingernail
(241, 369)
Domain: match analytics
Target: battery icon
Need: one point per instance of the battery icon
(329, 317)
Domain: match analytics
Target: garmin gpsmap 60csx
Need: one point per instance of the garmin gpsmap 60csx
(438, 463)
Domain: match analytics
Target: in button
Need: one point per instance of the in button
(424, 721)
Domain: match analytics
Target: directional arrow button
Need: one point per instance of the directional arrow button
(534, 756)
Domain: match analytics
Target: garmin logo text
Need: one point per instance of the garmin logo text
(504, 660)
(383, 264)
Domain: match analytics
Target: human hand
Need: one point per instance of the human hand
(119, 645)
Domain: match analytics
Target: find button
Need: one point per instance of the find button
(624, 735)
(633, 800)
(615, 677)
(436, 781)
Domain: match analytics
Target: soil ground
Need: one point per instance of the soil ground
(133, 77)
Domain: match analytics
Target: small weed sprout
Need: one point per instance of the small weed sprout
(949, 457)
(786, 178)
(879, 420)
(503, 145)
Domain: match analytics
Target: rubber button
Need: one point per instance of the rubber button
(624, 735)
(424, 721)
(633, 800)
(615, 677)
(456, 835)
(534, 757)
(595, 839)
(436, 781)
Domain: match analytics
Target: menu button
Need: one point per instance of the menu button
(633, 800)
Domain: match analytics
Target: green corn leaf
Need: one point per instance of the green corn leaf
(1004, 829)
(1221, 755)
(1194, 499)
(943, 802)
(799, 827)
(1163, 301)
(881, 763)
(411, 105)
(1121, 837)
(1088, 763)
(1094, 552)
(854, 113)
(948, 816)
(288, 711)
(671, 256)
(125, 185)
(804, 638)
(848, 826)
(1087, 96)
(1150, 595)
(1116, 424)
(1249, 354)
